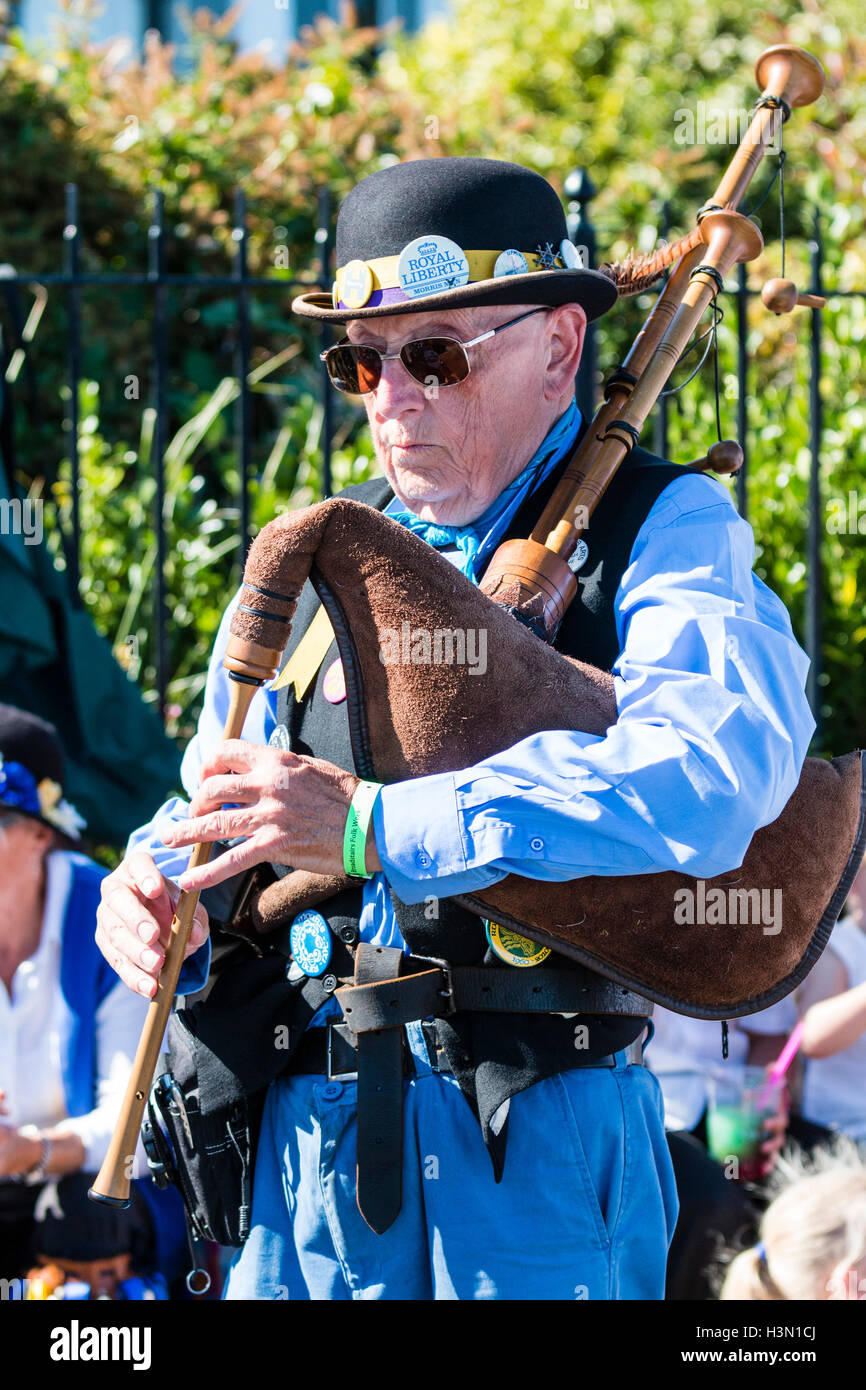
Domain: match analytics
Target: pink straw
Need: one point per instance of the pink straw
(786, 1056)
(782, 1063)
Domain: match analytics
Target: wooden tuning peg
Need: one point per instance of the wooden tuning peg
(781, 296)
(725, 456)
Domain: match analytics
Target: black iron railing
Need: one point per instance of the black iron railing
(240, 284)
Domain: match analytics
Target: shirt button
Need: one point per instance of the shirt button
(536, 844)
(332, 1091)
(423, 858)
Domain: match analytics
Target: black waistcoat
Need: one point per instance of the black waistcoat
(495, 1055)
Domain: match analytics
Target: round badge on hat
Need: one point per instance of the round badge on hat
(430, 265)
(514, 949)
(510, 262)
(356, 279)
(570, 256)
(310, 940)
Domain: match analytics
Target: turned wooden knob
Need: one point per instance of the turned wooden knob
(781, 296)
(726, 456)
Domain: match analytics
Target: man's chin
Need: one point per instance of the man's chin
(417, 489)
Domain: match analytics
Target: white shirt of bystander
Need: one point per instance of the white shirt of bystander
(35, 1025)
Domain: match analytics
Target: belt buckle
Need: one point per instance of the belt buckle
(336, 1075)
(448, 992)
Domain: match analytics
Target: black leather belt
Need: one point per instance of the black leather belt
(332, 1052)
(390, 990)
(387, 1000)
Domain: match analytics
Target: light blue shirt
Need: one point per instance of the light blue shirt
(713, 727)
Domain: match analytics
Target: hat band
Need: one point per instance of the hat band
(19, 791)
(368, 284)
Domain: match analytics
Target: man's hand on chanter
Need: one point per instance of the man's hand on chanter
(133, 921)
(291, 809)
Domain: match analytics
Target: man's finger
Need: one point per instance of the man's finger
(156, 890)
(217, 791)
(217, 825)
(126, 906)
(139, 965)
(143, 873)
(253, 851)
(123, 940)
(132, 974)
(234, 754)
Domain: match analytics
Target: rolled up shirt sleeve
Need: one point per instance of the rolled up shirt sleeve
(712, 730)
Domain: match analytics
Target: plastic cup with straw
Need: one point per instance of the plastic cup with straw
(782, 1063)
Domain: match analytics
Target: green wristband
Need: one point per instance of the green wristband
(357, 825)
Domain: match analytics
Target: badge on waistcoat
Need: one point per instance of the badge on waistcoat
(514, 949)
(334, 683)
(577, 559)
(310, 940)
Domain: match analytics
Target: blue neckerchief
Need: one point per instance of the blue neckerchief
(479, 538)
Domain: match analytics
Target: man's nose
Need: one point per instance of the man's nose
(398, 393)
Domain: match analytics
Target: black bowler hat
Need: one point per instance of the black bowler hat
(32, 772)
(448, 233)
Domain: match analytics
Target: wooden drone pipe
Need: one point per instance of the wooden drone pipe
(784, 71)
(514, 573)
(781, 296)
(725, 456)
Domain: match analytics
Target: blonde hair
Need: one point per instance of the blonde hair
(814, 1226)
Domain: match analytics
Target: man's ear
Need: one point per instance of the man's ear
(566, 330)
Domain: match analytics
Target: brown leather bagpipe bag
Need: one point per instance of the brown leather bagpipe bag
(409, 720)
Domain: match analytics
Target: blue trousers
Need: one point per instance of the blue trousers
(585, 1210)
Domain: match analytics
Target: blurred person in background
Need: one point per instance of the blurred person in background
(68, 1029)
(832, 1003)
(684, 1054)
(812, 1236)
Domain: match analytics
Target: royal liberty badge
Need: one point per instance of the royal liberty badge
(430, 265)
(310, 940)
(514, 949)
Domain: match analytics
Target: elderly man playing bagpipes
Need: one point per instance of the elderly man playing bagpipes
(461, 1109)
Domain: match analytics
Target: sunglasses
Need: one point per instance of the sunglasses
(357, 369)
